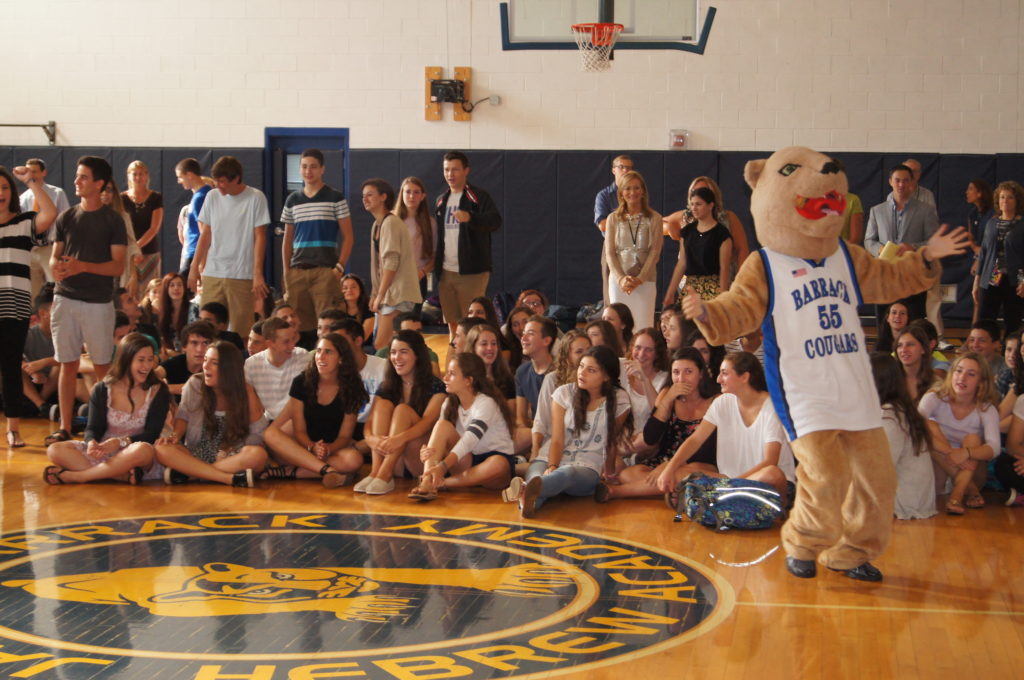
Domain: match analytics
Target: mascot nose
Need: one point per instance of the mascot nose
(830, 168)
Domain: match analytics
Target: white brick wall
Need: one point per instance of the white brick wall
(858, 75)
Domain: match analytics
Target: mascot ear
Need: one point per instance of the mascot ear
(752, 171)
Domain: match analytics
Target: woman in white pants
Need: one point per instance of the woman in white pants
(632, 249)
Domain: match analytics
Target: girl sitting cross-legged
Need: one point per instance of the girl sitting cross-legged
(323, 404)
(126, 411)
(219, 425)
(589, 421)
(471, 442)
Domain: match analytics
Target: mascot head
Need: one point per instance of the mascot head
(798, 200)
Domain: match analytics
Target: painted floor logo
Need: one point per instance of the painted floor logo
(298, 595)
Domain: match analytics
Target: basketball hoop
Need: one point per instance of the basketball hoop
(596, 42)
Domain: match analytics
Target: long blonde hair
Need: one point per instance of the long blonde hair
(137, 165)
(984, 396)
(422, 216)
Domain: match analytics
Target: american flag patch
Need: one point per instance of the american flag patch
(799, 272)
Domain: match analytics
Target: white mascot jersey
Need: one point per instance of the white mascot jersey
(816, 363)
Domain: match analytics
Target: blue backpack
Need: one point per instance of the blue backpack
(728, 503)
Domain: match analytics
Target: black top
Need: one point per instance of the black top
(141, 215)
(96, 428)
(176, 370)
(235, 339)
(703, 249)
(323, 421)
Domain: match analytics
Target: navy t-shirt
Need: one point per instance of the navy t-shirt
(528, 383)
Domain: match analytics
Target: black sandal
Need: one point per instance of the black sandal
(60, 435)
(279, 472)
(135, 476)
(51, 475)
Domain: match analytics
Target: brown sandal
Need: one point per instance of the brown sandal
(954, 507)
(332, 479)
(975, 502)
(51, 475)
(61, 435)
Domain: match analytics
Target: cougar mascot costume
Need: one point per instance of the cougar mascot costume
(802, 289)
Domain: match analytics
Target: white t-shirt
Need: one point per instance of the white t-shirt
(740, 447)
(232, 220)
(271, 382)
(372, 376)
(451, 233)
(590, 447)
(482, 429)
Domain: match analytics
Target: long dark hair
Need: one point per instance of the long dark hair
(351, 391)
(609, 363)
(171, 323)
(707, 387)
(501, 374)
(422, 375)
(362, 302)
(986, 198)
(892, 390)
(490, 313)
(925, 377)
(886, 342)
(14, 204)
(609, 336)
(130, 345)
(473, 367)
(626, 317)
(231, 384)
(512, 343)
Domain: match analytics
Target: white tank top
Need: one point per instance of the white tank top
(816, 363)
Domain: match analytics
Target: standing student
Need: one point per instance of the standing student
(145, 209)
(19, 232)
(471, 444)
(674, 222)
(127, 410)
(232, 244)
(129, 278)
(190, 176)
(589, 420)
(466, 216)
(606, 201)
(40, 265)
(323, 403)
(413, 210)
(315, 218)
(632, 249)
(392, 263)
(407, 405)
(218, 428)
(705, 251)
(88, 256)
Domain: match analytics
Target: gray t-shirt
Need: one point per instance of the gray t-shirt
(38, 345)
(88, 236)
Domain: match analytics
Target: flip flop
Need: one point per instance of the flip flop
(974, 502)
(51, 475)
(135, 476)
(422, 494)
(954, 507)
(57, 437)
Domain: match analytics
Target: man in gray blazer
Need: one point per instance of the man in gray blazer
(905, 221)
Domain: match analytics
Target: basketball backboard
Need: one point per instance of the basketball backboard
(648, 24)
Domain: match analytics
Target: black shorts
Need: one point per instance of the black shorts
(511, 460)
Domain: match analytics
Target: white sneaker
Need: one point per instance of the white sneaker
(1015, 499)
(360, 486)
(378, 487)
(514, 490)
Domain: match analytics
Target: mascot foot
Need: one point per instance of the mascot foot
(801, 568)
(865, 572)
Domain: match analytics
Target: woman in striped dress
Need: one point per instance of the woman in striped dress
(19, 232)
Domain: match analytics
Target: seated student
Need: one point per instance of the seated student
(621, 319)
(38, 377)
(534, 300)
(1015, 387)
(372, 371)
(196, 338)
(1010, 465)
(256, 342)
(482, 308)
(218, 428)
(126, 413)
(323, 403)
(679, 411)
(589, 420)
(896, 319)
(751, 441)
(512, 332)
(173, 314)
(327, 321)
(1011, 351)
(307, 339)
(984, 340)
(647, 372)
(126, 302)
(411, 321)
(462, 328)
(568, 353)
(538, 342)
(602, 332)
(471, 443)
(217, 314)
(271, 371)
(909, 439)
(355, 301)
(912, 354)
(712, 354)
(484, 340)
(963, 418)
(408, 404)
(675, 328)
(940, 364)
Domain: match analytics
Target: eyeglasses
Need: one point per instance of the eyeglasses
(620, 166)
(533, 303)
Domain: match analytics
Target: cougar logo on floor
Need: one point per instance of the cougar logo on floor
(294, 595)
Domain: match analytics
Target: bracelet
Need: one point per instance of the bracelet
(443, 465)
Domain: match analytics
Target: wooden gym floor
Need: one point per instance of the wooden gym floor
(951, 605)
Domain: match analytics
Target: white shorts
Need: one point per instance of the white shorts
(76, 323)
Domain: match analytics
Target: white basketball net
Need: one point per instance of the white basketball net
(596, 42)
